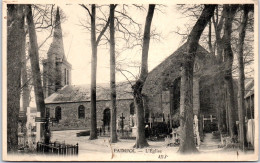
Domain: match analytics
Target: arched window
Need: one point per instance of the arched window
(58, 113)
(47, 112)
(81, 112)
(196, 66)
(132, 109)
(146, 115)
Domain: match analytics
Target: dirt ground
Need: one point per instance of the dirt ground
(101, 149)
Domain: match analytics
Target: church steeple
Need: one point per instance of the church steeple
(57, 70)
(57, 47)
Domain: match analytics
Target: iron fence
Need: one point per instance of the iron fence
(57, 148)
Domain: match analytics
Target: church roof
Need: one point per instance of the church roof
(249, 88)
(167, 71)
(79, 93)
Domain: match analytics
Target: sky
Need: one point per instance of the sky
(77, 43)
(77, 46)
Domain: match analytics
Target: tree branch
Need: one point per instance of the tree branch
(103, 31)
(85, 7)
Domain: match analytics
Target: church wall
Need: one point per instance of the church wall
(69, 114)
(123, 106)
(154, 103)
(160, 103)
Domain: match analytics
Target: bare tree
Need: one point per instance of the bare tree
(25, 88)
(187, 144)
(113, 135)
(128, 29)
(137, 87)
(218, 22)
(34, 58)
(228, 58)
(241, 79)
(15, 27)
(214, 43)
(43, 18)
(94, 44)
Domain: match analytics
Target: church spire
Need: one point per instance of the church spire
(57, 47)
(57, 70)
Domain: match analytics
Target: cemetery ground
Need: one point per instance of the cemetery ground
(102, 149)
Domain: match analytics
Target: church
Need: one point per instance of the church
(69, 104)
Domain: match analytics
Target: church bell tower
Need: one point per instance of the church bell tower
(56, 68)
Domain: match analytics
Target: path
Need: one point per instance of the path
(210, 144)
(102, 144)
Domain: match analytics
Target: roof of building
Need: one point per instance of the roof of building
(78, 93)
(249, 88)
(165, 73)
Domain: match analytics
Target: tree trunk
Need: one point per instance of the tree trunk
(209, 41)
(25, 80)
(113, 135)
(36, 73)
(94, 44)
(228, 58)
(223, 110)
(187, 144)
(218, 78)
(15, 26)
(221, 104)
(218, 102)
(226, 109)
(219, 44)
(93, 110)
(137, 87)
(241, 78)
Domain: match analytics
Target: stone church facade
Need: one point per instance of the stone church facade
(69, 104)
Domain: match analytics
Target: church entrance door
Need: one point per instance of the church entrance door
(106, 117)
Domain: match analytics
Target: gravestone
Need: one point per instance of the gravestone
(122, 124)
(134, 129)
(117, 124)
(196, 129)
(131, 121)
(22, 129)
(33, 128)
